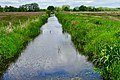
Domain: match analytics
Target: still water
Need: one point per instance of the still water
(51, 56)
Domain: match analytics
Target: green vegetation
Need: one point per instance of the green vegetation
(33, 7)
(98, 38)
(91, 8)
(50, 10)
(16, 30)
(66, 8)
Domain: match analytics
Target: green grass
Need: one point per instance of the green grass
(98, 38)
(14, 36)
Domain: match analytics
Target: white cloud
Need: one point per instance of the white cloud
(12, 1)
(60, 1)
(46, 3)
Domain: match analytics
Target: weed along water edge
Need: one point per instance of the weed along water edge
(51, 56)
(97, 38)
(16, 30)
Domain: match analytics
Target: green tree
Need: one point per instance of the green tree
(76, 9)
(58, 9)
(22, 9)
(6, 9)
(1, 8)
(12, 9)
(33, 7)
(83, 8)
(66, 8)
(92, 8)
(51, 8)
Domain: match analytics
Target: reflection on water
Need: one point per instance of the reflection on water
(51, 56)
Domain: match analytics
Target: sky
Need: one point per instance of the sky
(72, 3)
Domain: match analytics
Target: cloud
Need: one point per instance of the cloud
(6, 1)
(105, 3)
(72, 3)
(46, 3)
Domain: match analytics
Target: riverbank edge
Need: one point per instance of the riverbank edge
(13, 43)
(92, 56)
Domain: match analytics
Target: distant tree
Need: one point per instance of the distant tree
(99, 9)
(66, 8)
(12, 9)
(1, 8)
(76, 9)
(29, 7)
(6, 9)
(83, 8)
(33, 7)
(94, 9)
(51, 8)
(91, 8)
(58, 9)
(118, 8)
(42, 10)
(22, 9)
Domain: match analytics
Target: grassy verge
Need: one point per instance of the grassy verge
(98, 38)
(15, 32)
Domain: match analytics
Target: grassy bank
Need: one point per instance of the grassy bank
(98, 38)
(16, 30)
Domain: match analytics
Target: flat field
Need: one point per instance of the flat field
(113, 15)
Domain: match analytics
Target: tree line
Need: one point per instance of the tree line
(90, 8)
(34, 7)
(81, 8)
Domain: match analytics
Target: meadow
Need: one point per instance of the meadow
(16, 30)
(96, 35)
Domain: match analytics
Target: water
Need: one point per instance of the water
(51, 56)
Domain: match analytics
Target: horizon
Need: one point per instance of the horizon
(73, 3)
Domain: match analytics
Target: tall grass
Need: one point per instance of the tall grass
(98, 38)
(15, 33)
